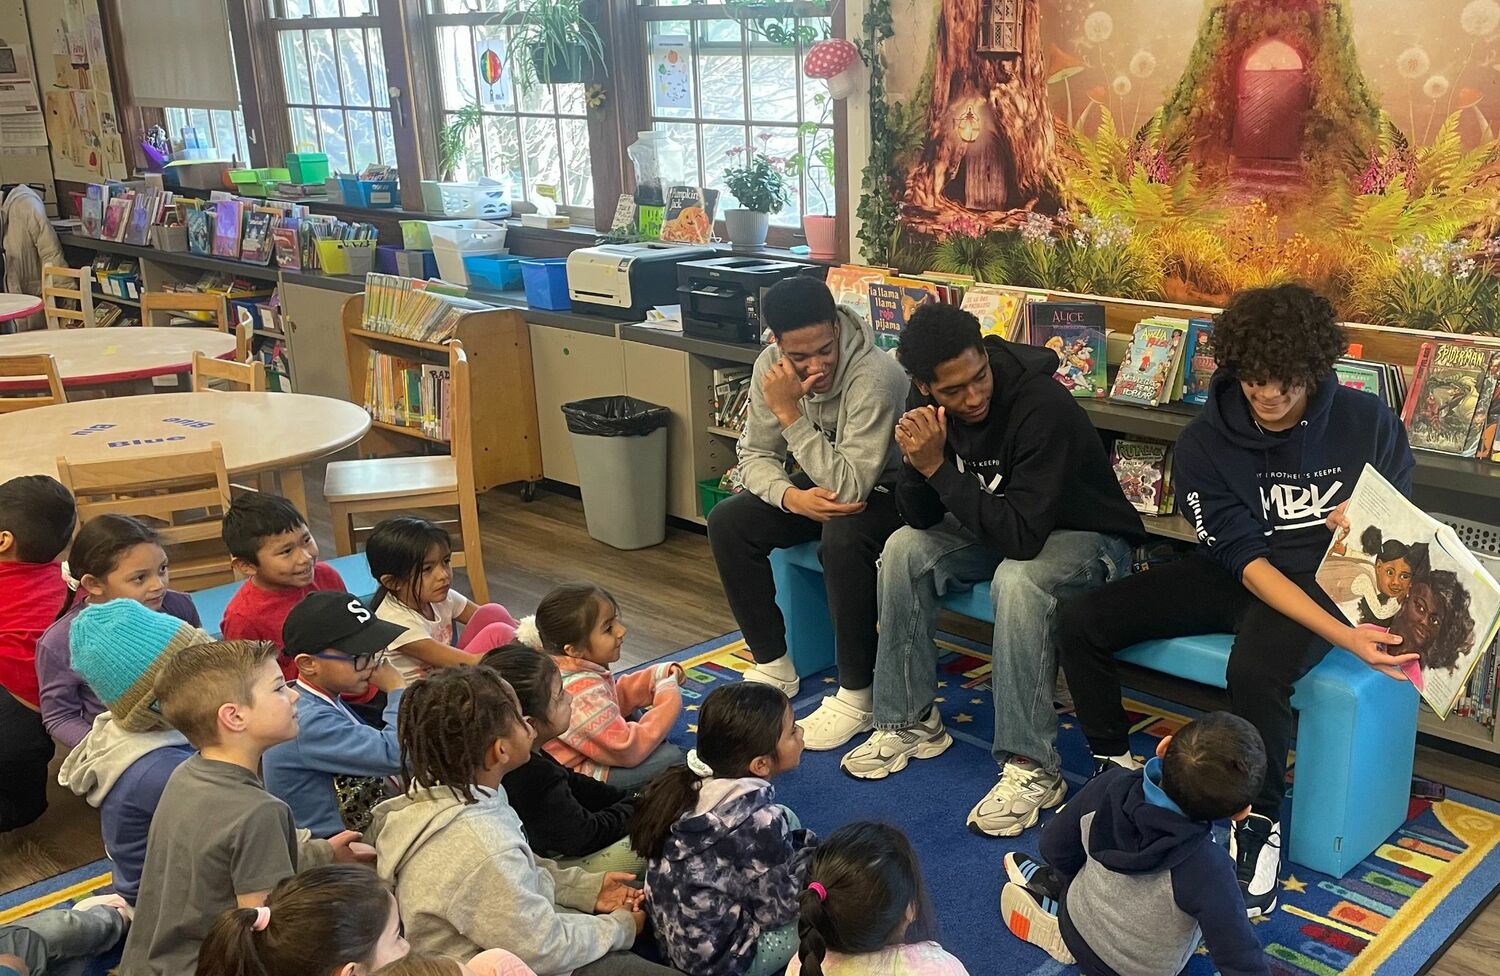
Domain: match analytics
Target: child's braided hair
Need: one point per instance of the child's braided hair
(447, 721)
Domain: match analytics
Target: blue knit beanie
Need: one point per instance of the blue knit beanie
(118, 647)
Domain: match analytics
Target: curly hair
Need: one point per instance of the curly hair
(446, 723)
(1456, 637)
(1288, 334)
(935, 334)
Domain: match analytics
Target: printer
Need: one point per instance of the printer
(721, 296)
(624, 281)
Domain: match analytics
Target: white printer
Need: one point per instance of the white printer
(624, 281)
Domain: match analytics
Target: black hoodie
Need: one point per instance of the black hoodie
(1034, 464)
(1253, 494)
(1144, 882)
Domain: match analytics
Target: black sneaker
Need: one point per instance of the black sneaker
(1255, 845)
(1032, 873)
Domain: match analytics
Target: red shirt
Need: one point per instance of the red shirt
(255, 613)
(31, 594)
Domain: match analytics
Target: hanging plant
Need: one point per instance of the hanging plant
(553, 43)
(778, 28)
(878, 211)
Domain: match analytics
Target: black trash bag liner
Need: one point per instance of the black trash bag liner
(614, 416)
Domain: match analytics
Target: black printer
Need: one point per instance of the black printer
(721, 297)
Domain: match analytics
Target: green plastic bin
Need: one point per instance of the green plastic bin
(710, 494)
(307, 167)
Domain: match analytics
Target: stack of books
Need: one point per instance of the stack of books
(1384, 380)
(124, 212)
(408, 308)
(1168, 359)
(410, 393)
(1001, 310)
(1453, 406)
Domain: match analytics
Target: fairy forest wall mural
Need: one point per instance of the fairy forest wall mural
(1179, 150)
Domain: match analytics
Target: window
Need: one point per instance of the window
(528, 137)
(1000, 30)
(747, 93)
(220, 130)
(333, 75)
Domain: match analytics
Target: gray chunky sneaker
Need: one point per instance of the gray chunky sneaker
(887, 752)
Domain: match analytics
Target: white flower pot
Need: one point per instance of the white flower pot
(747, 228)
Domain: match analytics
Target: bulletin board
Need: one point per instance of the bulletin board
(82, 120)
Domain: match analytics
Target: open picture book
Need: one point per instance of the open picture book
(1399, 569)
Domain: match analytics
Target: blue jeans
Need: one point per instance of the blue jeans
(920, 566)
(60, 942)
(662, 758)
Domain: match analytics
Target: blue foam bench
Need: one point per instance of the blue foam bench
(212, 601)
(1356, 734)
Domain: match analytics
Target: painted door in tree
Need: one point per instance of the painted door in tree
(1272, 102)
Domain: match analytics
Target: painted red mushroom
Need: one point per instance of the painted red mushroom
(837, 61)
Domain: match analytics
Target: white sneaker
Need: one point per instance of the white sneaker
(1255, 846)
(888, 752)
(756, 674)
(834, 723)
(1033, 918)
(1017, 801)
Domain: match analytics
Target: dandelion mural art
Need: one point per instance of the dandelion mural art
(1180, 149)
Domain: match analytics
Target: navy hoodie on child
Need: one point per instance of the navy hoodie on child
(1252, 493)
(1144, 882)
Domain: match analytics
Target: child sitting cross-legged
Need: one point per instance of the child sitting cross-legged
(114, 557)
(568, 816)
(579, 625)
(1133, 877)
(219, 840)
(865, 909)
(330, 920)
(412, 560)
(337, 768)
(726, 864)
(464, 875)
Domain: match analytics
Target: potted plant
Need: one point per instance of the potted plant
(761, 188)
(553, 43)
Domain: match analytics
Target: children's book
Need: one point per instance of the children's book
(228, 219)
(891, 305)
(1075, 332)
(997, 309)
(92, 210)
(142, 211)
(1148, 371)
(1198, 361)
(1450, 397)
(689, 216)
(256, 247)
(284, 243)
(1438, 597)
(1141, 467)
(199, 230)
(1359, 375)
(850, 285)
(117, 218)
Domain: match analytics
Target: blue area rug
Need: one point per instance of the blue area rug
(1390, 916)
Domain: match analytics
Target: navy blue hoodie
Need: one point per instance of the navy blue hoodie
(1250, 493)
(1144, 882)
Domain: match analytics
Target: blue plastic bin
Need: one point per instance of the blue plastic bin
(546, 283)
(493, 272)
(375, 194)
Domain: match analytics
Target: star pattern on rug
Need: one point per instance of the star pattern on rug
(976, 701)
(829, 681)
(940, 698)
(1260, 920)
(1068, 726)
(1290, 883)
(694, 728)
(942, 684)
(963, 717)
(692, 708)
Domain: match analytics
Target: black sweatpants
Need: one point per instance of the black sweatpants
(742, 531)
(25, 752)
(1192, 596)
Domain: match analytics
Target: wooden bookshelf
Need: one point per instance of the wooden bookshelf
(502, 413)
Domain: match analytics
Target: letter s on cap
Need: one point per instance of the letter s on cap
(361, 613)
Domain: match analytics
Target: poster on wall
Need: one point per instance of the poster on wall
(1181, 150)
(671, 81)
(82, 123)
(494, 71)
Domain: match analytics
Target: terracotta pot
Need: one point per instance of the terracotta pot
(822, 236)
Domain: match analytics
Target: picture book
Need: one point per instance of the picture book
(850, 285)
(1448, 403)
(1148, 371)
(199, 230)
(1398, 569)
(116, 218)
(1141, 467)
(1198, 361)
(142, 214)
(1489, 438)
(92, 210)
(1080, 349)
(1359, 375)
(997, 309)
(256, 246)
(228, 218)
(284, 243)
(689, 216)
(891, 305)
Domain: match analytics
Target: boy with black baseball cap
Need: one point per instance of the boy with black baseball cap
(337, 768)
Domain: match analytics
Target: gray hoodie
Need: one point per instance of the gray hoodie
(844, 439)
(467, 881)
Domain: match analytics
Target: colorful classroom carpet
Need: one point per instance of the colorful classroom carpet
(1390, 916)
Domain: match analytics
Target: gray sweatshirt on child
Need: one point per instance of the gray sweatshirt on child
(844, 440)
(466, 881)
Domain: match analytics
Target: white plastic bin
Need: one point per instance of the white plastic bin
(453, 240)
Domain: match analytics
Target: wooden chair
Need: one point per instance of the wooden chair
(154, 303)
(61, 283)
(247, 376)
(398, 484)
(42, 365)
(183, 496)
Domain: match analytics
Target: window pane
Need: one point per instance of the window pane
(335, 144)
(359, 8)
(294, 8)
(539, 143)
(199, 117)
(387, 137)
(678, 28)
(455, 56)
(579, 175)
(684, 136)
(362, 138)
(502, 153)
(325, 71)
(352, 68)
(570, 99)
(377, 69)
(721, 70)
(294, 67)
(469, 6)
(718, 141)
(539, 99)
(773, 85)
(305, 130)
(223, 126)
(325, 8)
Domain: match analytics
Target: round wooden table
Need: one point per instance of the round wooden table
(13, 306)
(259, 432)
(107, 357)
